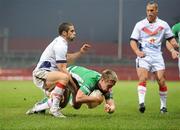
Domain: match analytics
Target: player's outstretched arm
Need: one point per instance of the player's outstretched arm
(71, 57)
(109, 106)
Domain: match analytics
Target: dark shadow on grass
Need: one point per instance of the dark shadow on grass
(100, 116)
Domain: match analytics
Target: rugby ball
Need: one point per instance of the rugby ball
(96, 93)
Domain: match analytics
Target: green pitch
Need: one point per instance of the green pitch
(16, 97)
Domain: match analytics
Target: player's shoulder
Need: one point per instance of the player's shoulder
(177, 25)
(162, 22)
(59, 42)
(144, 20)
(141, 23)
(60, 39)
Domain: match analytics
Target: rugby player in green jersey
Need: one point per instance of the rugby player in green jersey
(176, 31)
(88, 81)
(175, 54)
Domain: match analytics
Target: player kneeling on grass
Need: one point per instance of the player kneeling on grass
(50, 74)
(93, 89)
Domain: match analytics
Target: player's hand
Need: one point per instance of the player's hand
(175, 54)
(140, 53)
(108, 109)
(85, 48)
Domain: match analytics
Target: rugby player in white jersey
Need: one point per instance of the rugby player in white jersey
(145, 41)
(51, 73)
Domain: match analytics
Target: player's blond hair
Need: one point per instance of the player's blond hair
(108, 74)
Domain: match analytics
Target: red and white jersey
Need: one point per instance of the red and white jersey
(150, 35)
(54, 53)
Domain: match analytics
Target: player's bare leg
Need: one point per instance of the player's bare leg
(143, 75)
(160, 77)
(60, 80)
(73, 90)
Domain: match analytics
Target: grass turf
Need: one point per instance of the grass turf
(16, 97)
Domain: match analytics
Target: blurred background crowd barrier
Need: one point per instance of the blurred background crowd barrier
(27, 27)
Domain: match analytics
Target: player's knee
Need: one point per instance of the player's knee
(161, 81)
(142, 79)
(67, 78)
(76, 106)
(64, 78)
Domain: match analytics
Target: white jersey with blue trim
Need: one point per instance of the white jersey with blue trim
(54, 53)
(150, 35)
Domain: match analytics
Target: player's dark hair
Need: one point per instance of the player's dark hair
(64, 27)
(151, 2)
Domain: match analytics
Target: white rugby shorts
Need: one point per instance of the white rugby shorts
(152, 63)
(39, 77)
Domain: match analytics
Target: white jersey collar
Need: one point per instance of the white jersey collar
(154, 22)
(63, 39)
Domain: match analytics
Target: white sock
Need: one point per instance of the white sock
(141, 94)
(43, 106)
(163, 98)
(56, 95)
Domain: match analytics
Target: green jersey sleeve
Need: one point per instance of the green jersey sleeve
(176, 31)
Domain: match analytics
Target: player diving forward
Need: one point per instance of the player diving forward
(88, 81)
